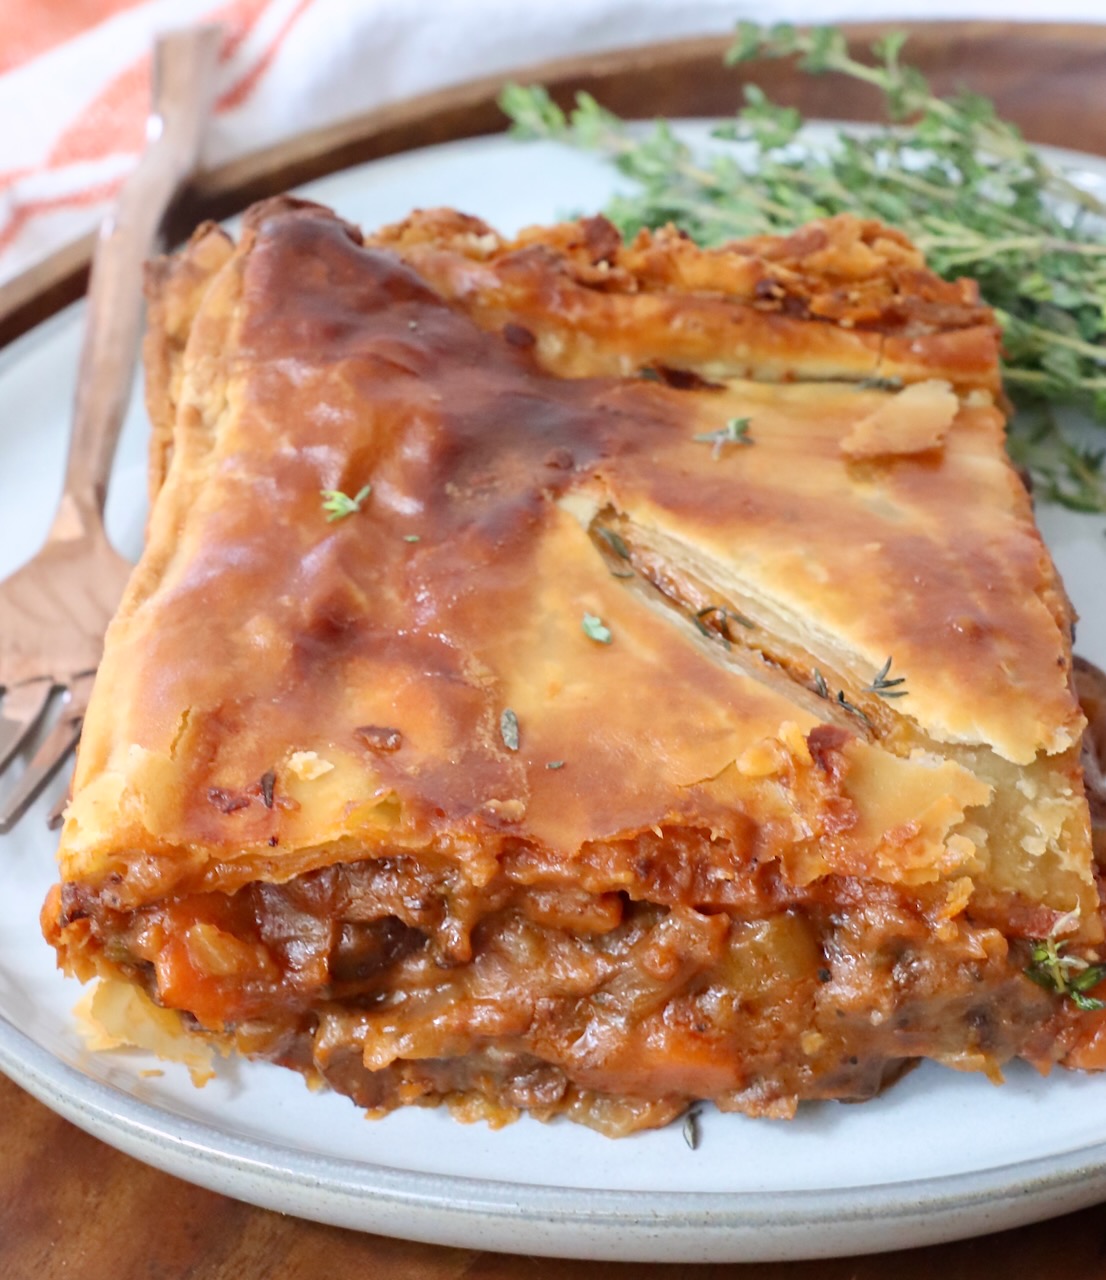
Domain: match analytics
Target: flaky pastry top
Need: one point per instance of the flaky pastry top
(280, 689)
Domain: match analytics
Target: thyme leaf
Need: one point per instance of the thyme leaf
(822, 690)
(1066, 975)
(595, 629)
(620, 550)
(338, 505)
(691, 1129)
(734, 432)
(1062, 471)
(615, 542)
(963, 184)
(1087, 1003)
(709, 632)
(508, 729)
(555, 764)
(851, 708)
(886, 688)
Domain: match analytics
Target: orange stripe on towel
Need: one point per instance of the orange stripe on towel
(22, 214)
(240, 17)
(239, 92)
(31, 27)
(113, 122)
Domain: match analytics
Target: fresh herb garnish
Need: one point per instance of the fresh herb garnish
(886, 688)
(851, 708)
(1062, 472)
(822, 690)
(338, 505)
(555, 764)
(710, 632)
(595, 629)
(734, 432)
(411, 537)
(615, 542)
(962, 183)
(1067, 975)
(621, 551)
(508, 729)
(691, 1128)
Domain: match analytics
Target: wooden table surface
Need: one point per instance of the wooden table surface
(69, 1205)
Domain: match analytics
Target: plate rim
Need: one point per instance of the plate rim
(609, 1221)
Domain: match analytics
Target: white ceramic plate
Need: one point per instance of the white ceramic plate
(939, 1156)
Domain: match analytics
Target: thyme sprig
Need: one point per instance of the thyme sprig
(821, 688)
(735, 431)
(852, 708)
(338, 505)
(596, 629)
(964, 184)
(690, 1130)
(880, 384)
(885, 688)
(508, 729)
(1067, 975)
(1063, 472)
(615, 541)
(620, 552)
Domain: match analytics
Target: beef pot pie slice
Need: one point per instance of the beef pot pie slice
(582, 679)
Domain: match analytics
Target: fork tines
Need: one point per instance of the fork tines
(20, 712)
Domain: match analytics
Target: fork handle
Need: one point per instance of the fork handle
(183, 80)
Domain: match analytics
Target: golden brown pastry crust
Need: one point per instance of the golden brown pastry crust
(175, 289)
(840, 299)
(284, 698)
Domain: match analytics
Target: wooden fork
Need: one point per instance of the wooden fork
(54, 610)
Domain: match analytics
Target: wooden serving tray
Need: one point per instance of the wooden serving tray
(69, 1204)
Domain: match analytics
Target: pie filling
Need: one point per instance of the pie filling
(644, 984)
